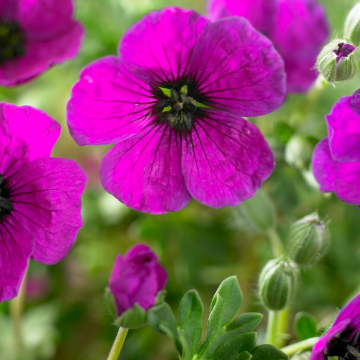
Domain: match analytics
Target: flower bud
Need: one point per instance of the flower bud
(276, 283)
(308, 240)
(338, 60)
(352, 25)
(136, 284)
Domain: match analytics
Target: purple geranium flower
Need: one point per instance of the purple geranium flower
(137, 278)
(343, 338)
(34, 35)
(39, 196)
(298, 29)
(336, 159)
(173, 101)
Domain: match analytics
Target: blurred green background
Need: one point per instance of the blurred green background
(64, 314)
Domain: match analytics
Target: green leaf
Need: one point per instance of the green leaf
(305, 326)
(191, 312)
(232, 298)
(245, 322)
(225, 304)
(234, 347)
(110, 303)
(268, 352)
(133, 318)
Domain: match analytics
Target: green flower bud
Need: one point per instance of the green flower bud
(352, 25)
(276, 283)
(338, 60)
(298, 152)
(308, 240)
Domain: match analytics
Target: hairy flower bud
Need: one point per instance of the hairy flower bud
(276, 283)
(308, 240)
(338, 60)
(352, 25)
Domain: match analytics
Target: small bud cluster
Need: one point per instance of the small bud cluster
(339, 60)
(307, 242)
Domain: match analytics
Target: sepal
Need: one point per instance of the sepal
(133, 318)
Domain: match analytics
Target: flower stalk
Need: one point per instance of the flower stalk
(271, 331)
(300, 346)
(275, 242)
(16, 309)
(118, 344)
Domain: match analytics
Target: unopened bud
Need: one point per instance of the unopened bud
(352, 25)
(298, 152)
(308, 240)
(276, 283)
(338, 60)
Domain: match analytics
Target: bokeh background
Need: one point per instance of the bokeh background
(64, 316)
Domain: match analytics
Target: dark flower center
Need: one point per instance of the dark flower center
(178, 104)
(344, 348)
(343, 50)
(12, 41)
(5, 204)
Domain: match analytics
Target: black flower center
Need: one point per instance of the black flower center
(343, 347)
(178, 105)
(12, 41)
(5, 204)
(343, 50)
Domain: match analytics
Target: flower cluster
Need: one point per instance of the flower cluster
(34, 35)
(336, 159)
(172, 102)
(39, 195)
(298, 29)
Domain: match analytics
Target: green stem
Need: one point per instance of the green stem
(283, 323)
(300, 346)
(16, 309)
(118, 344)
(271, 328)
(276, 244)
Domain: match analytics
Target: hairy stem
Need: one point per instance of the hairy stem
(271, 328)
(276, 244)
(300, 346)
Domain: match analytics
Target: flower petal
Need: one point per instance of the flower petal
(17, 245)
(344, 131)
(351, 313)
(225, 160)
(237, 69)
(41, 55)
(355, 102)
(45, 19)
(144, 171)
(8, 9)
(46, 196)
(108, 104)
(158, 48)
(261, 13)
(21, 141)
(319, 348)
(342, 178)
(300, 31)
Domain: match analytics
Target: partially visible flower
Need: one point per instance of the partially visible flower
(336, 159)
(136, 278)
(35, 35)
(342, 340)
(355, 102)
(298, 29)
(39, 195)
(172, 102)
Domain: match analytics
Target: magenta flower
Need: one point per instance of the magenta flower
(136, 278)
(298, 29)
(173, 101)
(35, 35)
(336, 159)
(355, 102)
(39, 196)
(343, 338)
